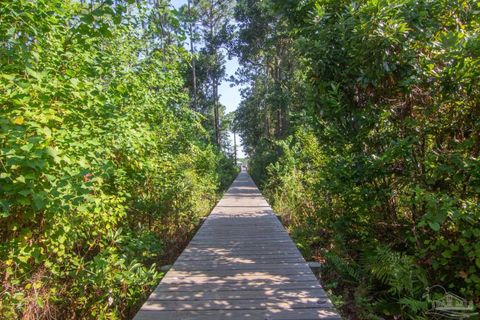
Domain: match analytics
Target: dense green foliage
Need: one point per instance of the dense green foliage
(360, 119)
(369, 141)
(103, 167)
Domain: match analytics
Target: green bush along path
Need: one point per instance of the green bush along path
(104, 167)
(369, 142)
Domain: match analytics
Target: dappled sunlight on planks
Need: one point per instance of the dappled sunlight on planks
(241, 264)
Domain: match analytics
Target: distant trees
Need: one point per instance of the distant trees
(210, 28)
(265, 49)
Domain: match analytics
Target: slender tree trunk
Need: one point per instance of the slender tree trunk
(278, 128)
(192, 51)
(265, 104)
(215, 111)
(235, 147)
(215, 82)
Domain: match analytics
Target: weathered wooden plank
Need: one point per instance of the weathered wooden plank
(262, 277)
(239, 238)
(211, 266)
(220, 253)
(229, 272)
(239, 286)
(245, 238)
(214, 252)
(221, 261)
(238, 258)
(238, 294)
(234, 240)
(236, 304)
(241, 268)
(272, 314)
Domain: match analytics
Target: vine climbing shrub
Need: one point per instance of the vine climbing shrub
(102, 165)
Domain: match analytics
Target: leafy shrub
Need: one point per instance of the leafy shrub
(102, 165)
(375, 141)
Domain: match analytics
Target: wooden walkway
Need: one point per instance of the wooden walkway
(241, 264)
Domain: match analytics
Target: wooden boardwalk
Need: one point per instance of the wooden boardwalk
(241, 264)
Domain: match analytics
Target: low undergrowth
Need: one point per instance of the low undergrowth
(375, 266)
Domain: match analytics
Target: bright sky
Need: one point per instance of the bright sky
(229, 96)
